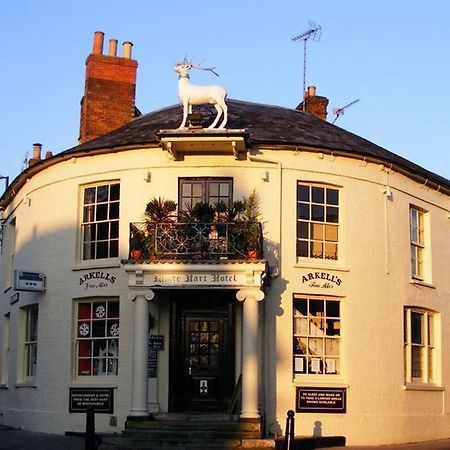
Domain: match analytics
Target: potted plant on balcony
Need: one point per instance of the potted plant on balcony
(250, 217)
(137, 239)
(160, 210)
(159, 214)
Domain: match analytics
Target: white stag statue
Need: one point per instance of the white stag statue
(190, 94)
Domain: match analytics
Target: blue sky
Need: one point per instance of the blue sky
(393, 55)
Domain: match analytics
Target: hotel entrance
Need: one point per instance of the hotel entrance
(202, 365)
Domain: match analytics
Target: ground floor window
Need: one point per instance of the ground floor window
(5, 349)
(420, 345)
(316, 335)
(97, 338)
(31, 341)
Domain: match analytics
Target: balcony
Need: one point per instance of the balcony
(196, 241)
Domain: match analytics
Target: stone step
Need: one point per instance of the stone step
(186, 433)
(174, 425)
(122, 443)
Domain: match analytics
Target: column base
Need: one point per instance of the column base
(250, 417)
(145, 417)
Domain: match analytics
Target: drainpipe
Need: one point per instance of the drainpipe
(280, 198)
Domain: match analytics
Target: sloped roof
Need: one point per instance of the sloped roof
(265, 124)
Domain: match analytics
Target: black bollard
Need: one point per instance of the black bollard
(90, 429)
(289, 433)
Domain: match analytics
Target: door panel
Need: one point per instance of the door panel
(202, 368)
(204, 356)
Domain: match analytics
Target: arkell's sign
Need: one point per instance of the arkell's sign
(325, 400)
(101, 399)
(323, 280)
(97, 280)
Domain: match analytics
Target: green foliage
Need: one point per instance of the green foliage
(160, 210)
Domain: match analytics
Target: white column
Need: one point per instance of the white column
(139, 388)
(250, 360)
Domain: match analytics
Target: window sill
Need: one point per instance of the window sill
(416, 282)
(26, 384)
(422, 387)
(3, 386)
(97, 264)
(320, 264)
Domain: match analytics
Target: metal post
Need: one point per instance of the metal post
(90, 429)
(289, 433)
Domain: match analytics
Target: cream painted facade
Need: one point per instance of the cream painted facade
(374, 287)
(343, 317)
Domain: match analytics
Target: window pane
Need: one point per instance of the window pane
(318, 195)
(416, 328)
(114, 231)
(300, 307)
(316, 249)
(302, 248)
(89, 195)
(330, 251)
(416, 362)
(331, 233)
(197, 190)
(332, 308)
(213, 190)
(332, 197)
(114, 192)
(317, 231)
(302, 230)
(102, 193)
(224, 190)
(101, 212)
(114, 249)
(332, 214)
(303, 193)
(303, 211)
(317, 213)
(114, 210)
(102, 250)
(102, 231)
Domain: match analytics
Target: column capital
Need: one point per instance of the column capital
(245, 293)
(148, 294)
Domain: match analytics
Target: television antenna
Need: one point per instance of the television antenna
(314, 32)
(340, 111)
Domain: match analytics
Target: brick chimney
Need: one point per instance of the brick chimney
(110, 87)
(314, 104)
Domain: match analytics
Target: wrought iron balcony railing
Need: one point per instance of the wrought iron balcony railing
(195, 241)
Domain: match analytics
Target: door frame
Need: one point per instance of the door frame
(209, 302)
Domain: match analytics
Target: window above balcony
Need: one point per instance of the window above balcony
(201, 141)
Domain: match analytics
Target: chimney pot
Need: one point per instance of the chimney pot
(311, 91)
(48, 155)
(113, 47)
(314, 104)
(37, 151)
(126, 49)
(98, 43)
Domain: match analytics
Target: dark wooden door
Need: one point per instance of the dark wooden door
(202, 368)
(204, 348)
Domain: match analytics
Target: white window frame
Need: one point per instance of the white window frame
(4, 373)
(87, 343)
(317, 351)
(30, 346)
(99, 235)
(422, 359)
(315, 233)
(417, 240)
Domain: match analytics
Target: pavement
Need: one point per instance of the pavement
(13, 439)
